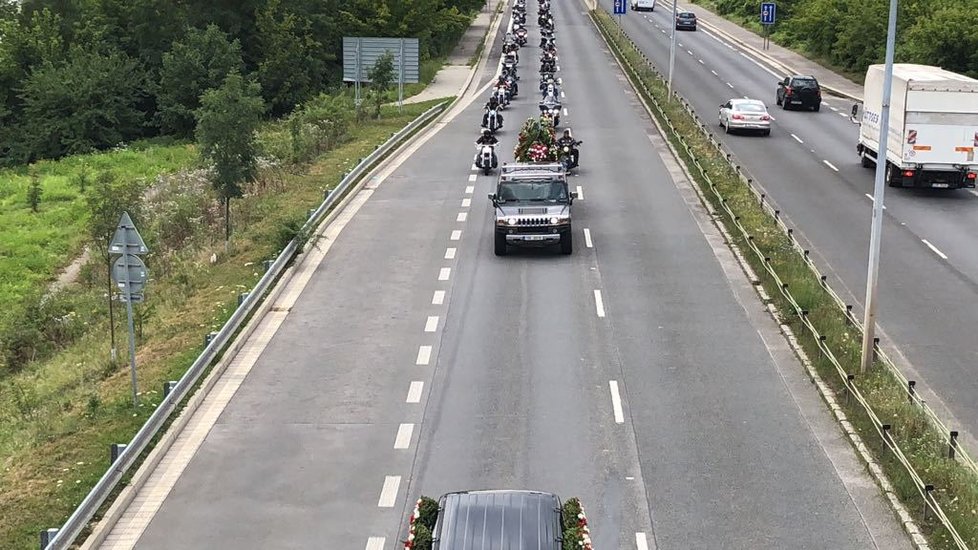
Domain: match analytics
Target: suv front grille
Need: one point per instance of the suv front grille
(533, 221)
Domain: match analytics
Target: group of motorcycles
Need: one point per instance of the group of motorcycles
(507, 87)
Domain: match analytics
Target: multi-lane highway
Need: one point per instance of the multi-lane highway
(929, 268)
(639, 373)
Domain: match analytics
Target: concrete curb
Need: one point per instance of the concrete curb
(770, 60)
(828, 396)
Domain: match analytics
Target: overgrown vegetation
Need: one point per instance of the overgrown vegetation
(956, 487)
(851, 34)
(64, 404)
(88, 75)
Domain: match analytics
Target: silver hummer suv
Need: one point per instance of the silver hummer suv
(533, 207)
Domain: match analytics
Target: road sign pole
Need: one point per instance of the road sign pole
(132, 334)
(672, 49)
(876, 232)
(400, 79)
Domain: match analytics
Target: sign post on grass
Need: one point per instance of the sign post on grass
(130, 275)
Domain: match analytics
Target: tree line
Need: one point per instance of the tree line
(84, 75)
(851, 34)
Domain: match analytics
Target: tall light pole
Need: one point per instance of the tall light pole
(672, 49)
(872, 275)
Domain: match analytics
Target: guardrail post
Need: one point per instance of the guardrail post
(268, 264)
(928, 488)
(47, 536)
(849, 381)
(168, 387)
(242, 296)
(876, 349)
(115, 450)
(952, 444)
(910, 389)
(849, 315)
(326, 193)
(886, 433)
(208, 338)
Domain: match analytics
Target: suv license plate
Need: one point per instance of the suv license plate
(533, 237)
(941, 185)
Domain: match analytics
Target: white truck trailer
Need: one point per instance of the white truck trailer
(933, 126)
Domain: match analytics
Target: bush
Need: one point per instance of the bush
(320, 125)
(41, 326)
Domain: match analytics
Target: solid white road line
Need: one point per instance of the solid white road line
(641, 542)
(798, 139)
(456, 235)
(870, 197)
(461, 216)
(580, 193)
(729, 85)
(599, 303)
(830, 165)
(587, 238)
(469, 189)
(616, 402)
(473, 177)
(466, 202)
(450, 253)
(424, 355)
(389, 493)
(444, 273)
(752, 60)
(431, 325)
(438, 298)
(376, 543)
(714, 72)
(403, 438)
(414, 392)
(935, 249)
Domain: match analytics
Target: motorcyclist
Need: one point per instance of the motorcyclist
(569, 141)
(548, 66)
(493, 103)
(485, 115)
(486, 139)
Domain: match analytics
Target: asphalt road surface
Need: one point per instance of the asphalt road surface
(928, 284)
(633, 374)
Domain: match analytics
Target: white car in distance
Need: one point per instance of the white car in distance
(643, 5)
(745, 115)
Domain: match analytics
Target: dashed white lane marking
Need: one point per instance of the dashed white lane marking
(798, 139)
(599, 303)
(431, 325)
(663, 31)
(729, 85)
(746, 97)
(414, 392)
(689, 52)
(565, 111)
(562, 95)
(450, 253)
(456, 235)
(462, 216)
(389, 493)
(376, 543)
(935, 249)
(466, 202)
(616, 402)
(475, 168)
(870, 197)
(403, 438)
(833, 108)
(580, 193)
(424, 355)
(587, 238)
(641, 542)
(824, 103)
(973, 192)
(438, 298)
(469, 189)
(843, 115)
(830, 165)
(473, 177)
(714, 72)
(701, 62)
(444, 273)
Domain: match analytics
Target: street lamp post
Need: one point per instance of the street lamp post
(672, 49)
(872, 275)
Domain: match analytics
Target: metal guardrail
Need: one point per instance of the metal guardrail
(83, 514)
(955, 450)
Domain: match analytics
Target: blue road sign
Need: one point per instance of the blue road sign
(620, 7)
(768, 11)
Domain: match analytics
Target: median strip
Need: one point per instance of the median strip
(924, 472)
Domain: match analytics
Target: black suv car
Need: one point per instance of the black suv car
(685, 20)
(800, 90)
(533, 207)
(498, 520)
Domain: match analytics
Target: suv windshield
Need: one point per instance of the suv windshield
(535, 191)
(687, 15)
(804, 83)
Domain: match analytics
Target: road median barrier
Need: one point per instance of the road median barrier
(224, 344)
(928, 477)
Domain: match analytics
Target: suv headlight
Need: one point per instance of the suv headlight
(559, 220)
(511, 221)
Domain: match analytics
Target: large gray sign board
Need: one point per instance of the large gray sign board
(360, 53)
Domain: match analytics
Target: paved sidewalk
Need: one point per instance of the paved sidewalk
(787, 60)
(454, 75)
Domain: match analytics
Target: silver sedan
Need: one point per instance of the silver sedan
(745, 114)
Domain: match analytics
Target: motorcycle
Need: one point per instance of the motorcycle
(514, 88)
(521, 36)
(551, 111)
(501, 96)
(486, 159)
(566, 156)
(492, 120)
(550, 90)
